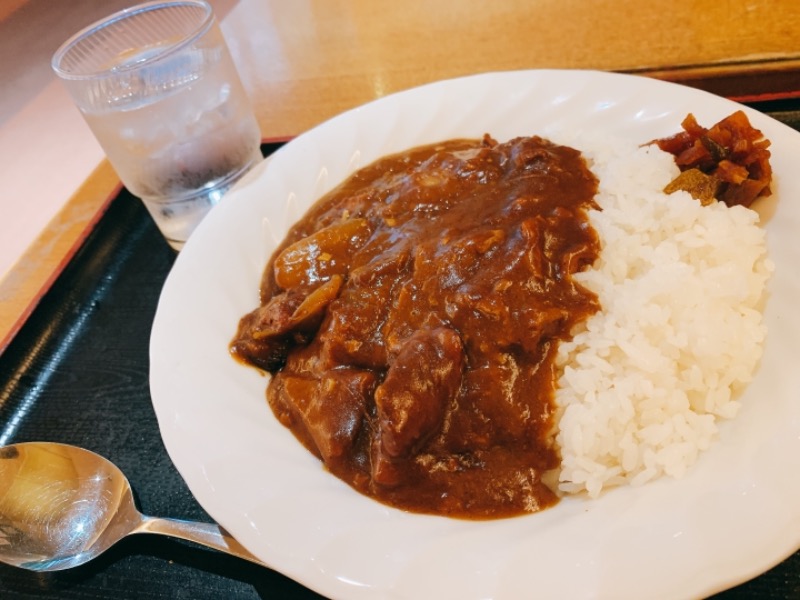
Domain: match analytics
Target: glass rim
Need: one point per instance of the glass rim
(121, 15)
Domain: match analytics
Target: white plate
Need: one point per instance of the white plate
(735, 515)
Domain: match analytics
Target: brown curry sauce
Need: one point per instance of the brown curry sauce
(410, 323)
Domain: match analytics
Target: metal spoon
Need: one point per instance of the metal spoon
(61, 506)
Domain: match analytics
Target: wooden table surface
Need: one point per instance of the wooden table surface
(306, 61)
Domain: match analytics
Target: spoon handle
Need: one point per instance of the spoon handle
(209, 535)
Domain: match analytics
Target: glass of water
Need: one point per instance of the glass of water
(157, 85)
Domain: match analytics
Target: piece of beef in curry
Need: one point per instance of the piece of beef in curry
(410, 322)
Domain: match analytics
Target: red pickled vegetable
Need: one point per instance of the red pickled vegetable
(733, 153)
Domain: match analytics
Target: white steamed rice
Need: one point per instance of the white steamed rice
(680, 332)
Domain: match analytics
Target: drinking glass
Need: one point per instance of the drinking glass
(157, 86)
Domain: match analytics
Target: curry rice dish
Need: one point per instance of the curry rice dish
(475, 328)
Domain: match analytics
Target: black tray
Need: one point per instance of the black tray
(78, 373)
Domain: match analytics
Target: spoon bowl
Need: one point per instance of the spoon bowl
(61, 506)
